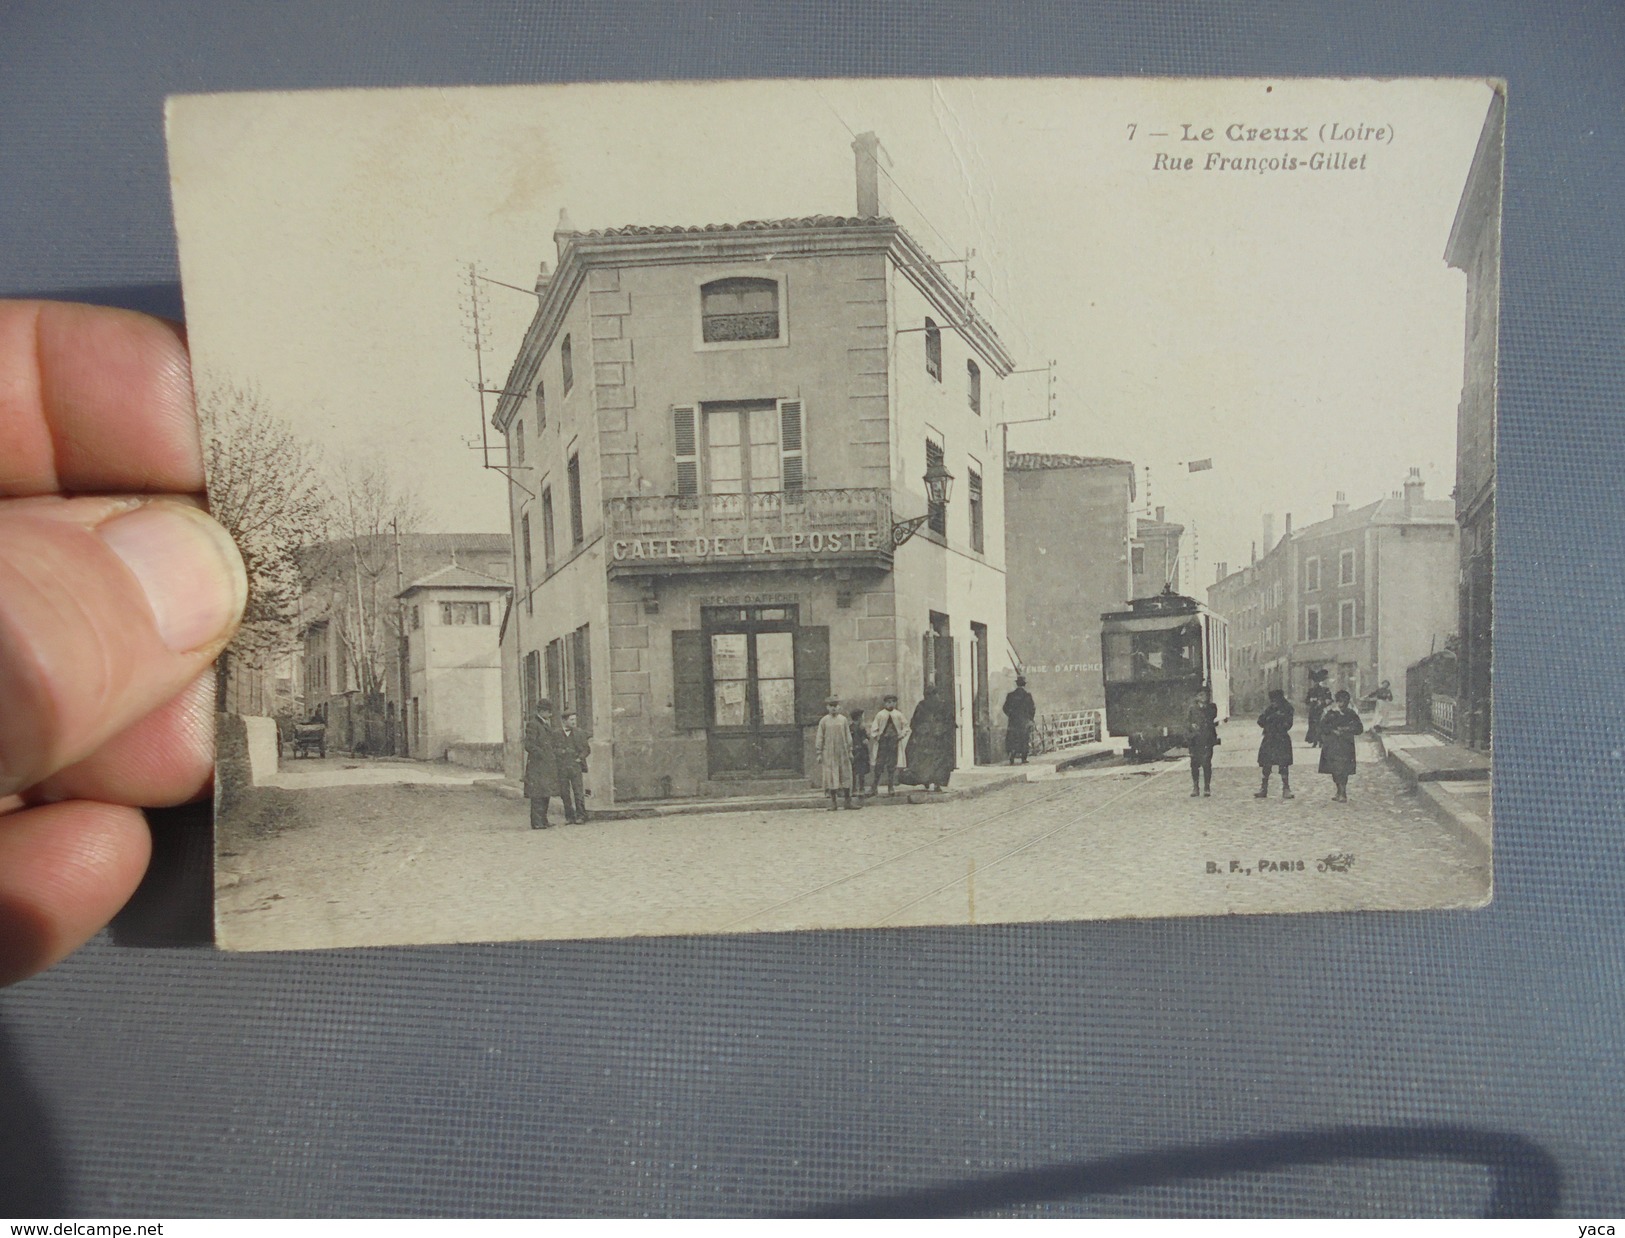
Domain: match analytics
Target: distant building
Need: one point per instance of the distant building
(1067, 542)
(1154, 555)
(711, 431)
(1361, 595)
(454, 665)
(1474, 248)
(351, 635)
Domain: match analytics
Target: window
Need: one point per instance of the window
(465, 614)
(1346, 619)
(567, 364)
(933, 350)
(936, 513)
(974, 485)
(541, 406)
(973, 386)
(578, 533)
(1137, 560)
(547, 527)
(519, 441)
(579, 647)
(524, 546)
(417, 618)
(739, 309)
(1311, 623)
(1311, 573)
(533, 680)
(1345, 568)
(749, 447)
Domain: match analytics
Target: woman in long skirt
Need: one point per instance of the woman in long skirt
(931, 743)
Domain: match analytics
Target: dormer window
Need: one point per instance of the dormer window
(933, 350)
(739, 308)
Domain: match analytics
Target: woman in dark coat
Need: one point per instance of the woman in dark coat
(1338, 727)
(931, 742)
(1318, 697)
(1202, 727)
(544, 755)
(1275, 752)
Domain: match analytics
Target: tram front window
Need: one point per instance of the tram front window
(1135, 657)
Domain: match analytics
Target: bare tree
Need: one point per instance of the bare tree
(352, 574)
(266, 489)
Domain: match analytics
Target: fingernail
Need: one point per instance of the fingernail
(187, 566)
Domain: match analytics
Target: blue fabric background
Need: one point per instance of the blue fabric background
(771, 1074)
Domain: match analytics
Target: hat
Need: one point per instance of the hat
(1021, 681)
(1342, 694)
(832, 700)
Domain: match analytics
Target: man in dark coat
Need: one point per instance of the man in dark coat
(575, 747)
(1275, 751)
(1338, 727)
(1019, 710)
(1202, 728)
(931, 742)
(544, 747)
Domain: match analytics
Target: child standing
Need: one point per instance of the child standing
(835, 752)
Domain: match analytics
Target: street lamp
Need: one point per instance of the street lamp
(939, 484)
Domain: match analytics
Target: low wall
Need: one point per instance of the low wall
(486, 757)
(246, 753)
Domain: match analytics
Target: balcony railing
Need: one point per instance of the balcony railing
(684, 533)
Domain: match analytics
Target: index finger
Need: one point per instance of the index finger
(94, 400)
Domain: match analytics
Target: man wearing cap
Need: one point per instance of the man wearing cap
(1019, 710)
(835, 752)
(887, 733)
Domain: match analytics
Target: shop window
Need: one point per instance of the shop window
(739, 309)
(933, 350)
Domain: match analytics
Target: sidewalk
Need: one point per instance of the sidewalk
(1453, 780)
(967, 783)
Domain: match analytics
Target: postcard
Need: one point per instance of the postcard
(725, 507)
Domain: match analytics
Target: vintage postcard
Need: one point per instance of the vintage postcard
(754, 506)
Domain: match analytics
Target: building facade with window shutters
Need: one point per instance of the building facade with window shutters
(454, 665)
(752, 407)
(1361, 595)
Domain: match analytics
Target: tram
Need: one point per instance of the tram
(1156, 656)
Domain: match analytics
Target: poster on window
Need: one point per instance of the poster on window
(952, 501)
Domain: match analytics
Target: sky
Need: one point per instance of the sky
(1297, 327)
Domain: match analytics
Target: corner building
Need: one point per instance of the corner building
(711, 432)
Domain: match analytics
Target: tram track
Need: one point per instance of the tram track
(960, 835)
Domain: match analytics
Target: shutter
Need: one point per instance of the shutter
(792, 459)
(688, 663)
(686, 448)
(812, 674)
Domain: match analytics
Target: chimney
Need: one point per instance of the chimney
(1341, 507)
(874, 196)
(1413, 493)
(563, 231)
(1161, 511)
(544, 277)
(1267, 544)
(1255, 553)
(1288, 534)
(1221, 572)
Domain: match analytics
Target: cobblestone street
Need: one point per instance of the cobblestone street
(363, 865)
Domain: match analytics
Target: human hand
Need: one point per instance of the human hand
(116, 594)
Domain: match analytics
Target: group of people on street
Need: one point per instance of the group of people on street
(919, 752)
(1333, 724)
(555, 765)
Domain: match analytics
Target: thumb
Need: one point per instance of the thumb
(108, 608)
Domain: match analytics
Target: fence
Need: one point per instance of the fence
(1053, 732)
